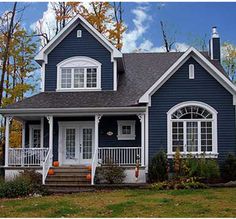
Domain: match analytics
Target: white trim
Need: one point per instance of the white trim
(191, 71)
(78, 126)
(142, 121)
(115, 75)
(146, 138)
(79, 62)
(203, 61)
(120, 135)
(42, 55)
(31, 129)
(214, 127)
(26, 111)
(50, 121)
(23, 134)
(42, 132)
(7, 140)
(43, 77)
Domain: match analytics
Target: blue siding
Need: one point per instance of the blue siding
(180, 88)
(110, 124)
(71, 46)
(106, 124)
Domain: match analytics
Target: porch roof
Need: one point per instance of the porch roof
(141, 71)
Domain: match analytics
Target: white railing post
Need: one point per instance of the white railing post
(141, 118)
(7, 134)
(95, 156)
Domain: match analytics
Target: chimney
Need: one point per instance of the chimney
(214, 45)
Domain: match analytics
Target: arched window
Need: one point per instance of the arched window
(192, 128)
(79, 73)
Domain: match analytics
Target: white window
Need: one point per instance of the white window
(192, 128)
(79, 73)
(79, 33)
(35, 136)
(126, 130)
(191, 71)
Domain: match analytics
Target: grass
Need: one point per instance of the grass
(126, 203)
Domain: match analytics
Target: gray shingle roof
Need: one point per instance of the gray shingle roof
(142, 70)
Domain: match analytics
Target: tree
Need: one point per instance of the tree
(229, 60)
(168, 38)
(107, 18)
(6, 39)
(17, 50)
(115, 34)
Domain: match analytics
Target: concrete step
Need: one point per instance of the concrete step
(67, 179)
(68, 175)
(74, 170)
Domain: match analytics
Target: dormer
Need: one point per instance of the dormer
(79, 58)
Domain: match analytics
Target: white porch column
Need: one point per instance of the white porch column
(7, 134)
(97, 120)
(141, 118)
(50, 121)
(23, 135)
(42, 132)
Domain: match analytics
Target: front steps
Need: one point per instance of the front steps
(69, 179)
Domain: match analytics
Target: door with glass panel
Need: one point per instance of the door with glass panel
(78, 143)
(86, 144)
(71, 151)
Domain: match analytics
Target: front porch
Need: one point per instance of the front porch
(88, 140)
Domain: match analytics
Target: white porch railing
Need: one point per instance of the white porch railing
(46, 165)
(119, 155)
(26, 156)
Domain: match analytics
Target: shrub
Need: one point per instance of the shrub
(28, 182)
(158, 167)
(110, 173)
(206, 169)
(18, 187)
(229, 168)
(182, 183)
(35, 180)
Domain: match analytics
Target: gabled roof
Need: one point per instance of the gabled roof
(42, 55)
(142, 70)
(214, 70)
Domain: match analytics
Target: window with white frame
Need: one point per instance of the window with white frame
(35, 136)
(191, 71)
(126, 130)
(192, 128)
(79, 73)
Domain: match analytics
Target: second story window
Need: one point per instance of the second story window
(79, 78)
(79, 73)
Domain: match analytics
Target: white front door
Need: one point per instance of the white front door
(76, 143)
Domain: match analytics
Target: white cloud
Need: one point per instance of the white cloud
(131, 37)
(47, 24)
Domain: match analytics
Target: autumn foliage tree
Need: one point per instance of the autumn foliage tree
(17, 50)
(229, 60)
(106, 17)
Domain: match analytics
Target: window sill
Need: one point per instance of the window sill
(77, 90)
(122, 137)
(194, 155)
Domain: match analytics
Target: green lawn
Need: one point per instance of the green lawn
(126, 203)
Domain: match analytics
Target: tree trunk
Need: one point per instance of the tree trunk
(6, 51)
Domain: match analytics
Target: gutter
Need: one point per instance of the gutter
(71, 110)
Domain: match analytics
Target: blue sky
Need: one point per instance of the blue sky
(188, 20)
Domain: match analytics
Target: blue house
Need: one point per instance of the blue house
(97, 104)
